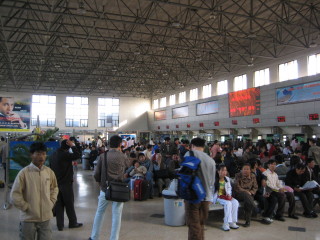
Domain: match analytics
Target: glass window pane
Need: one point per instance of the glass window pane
(172, 99)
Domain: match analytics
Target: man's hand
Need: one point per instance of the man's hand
(14, 117)
(70, 143)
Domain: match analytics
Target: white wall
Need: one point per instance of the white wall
(130, 110)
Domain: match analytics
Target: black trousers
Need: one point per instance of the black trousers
(65, 201)
(249, 204)
(306, 198)
(280, 198)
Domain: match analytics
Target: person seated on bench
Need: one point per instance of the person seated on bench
(245, 188)
(161, 173)
(281, 168)
(278, 195)
(296, 179)
(138, 172)
(310, 176)
(149, 175)
(223, 195)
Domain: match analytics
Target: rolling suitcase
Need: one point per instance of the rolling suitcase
(141, 190)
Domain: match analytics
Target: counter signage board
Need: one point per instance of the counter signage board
(244, 102)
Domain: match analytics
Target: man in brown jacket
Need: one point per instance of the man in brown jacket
(34, 192)
(117, 162)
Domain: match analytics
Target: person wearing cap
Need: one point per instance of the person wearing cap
(61, 164)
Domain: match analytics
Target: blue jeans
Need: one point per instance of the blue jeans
(99, 217)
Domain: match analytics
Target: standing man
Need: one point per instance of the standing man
(215, 149)
(196, 214)
(61, 164)
(167, 149)
(116, 162)
(314, 152)
(34, 192)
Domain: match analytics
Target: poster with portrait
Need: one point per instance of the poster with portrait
(14, 114)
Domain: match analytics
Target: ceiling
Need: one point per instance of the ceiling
(143, 48)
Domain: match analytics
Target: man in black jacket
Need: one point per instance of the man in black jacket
(61, 164)
(296, 179)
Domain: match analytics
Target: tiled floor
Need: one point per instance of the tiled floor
(138, 222)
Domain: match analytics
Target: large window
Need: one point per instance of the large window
(314, 64)
(288, 71)
(240, 83)
(172, 100)
(194, 94)
(206, 91)
(261, 77)
(182, 97)
(155, 104)
(222, 87)
(163, 102)
(77, 112)
(108, 112)
(43, 106)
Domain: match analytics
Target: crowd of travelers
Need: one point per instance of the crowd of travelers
(261, 177)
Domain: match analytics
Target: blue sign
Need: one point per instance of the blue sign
(299, 93)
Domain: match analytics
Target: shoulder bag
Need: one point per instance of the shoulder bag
(116, 191)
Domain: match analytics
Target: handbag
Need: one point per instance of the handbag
(116, 191)
(225, 197)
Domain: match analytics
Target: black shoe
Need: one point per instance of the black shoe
(60, 228)
(150, 197)
(77, 225)
(279, 218)
(308, 215)
(160, 195)
(247, 224)
(314, 215)
(293, 217)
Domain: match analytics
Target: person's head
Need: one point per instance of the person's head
(157, 150)
(149, 147)
(2, 139)
(222, 170)
(133, 155)
(176, 141)
(246, 169)
(135, 163)
(115, 141)
(272, 165)
(167, 140)
(6, 105)
(38, 152)
(279, 159)
(158, 157)
(64, 145)
(198, 142)
(215, 142)
(300, 168)
(253, 163)
(312, 142)
(294, 160)
(310, 163)
(175, 157)
(141, 157)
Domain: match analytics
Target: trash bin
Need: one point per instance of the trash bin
(85, 164)
(174, 212)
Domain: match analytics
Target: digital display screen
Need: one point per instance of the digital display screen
(256, 120)
(298, 93)
(216, 124)
(314, 116)
(281, 119)
(244, 102)
(201, 124)
(160, 115)
(234, 122)
(180, 112)
(207, 108)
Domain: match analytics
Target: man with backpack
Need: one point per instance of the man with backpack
(197, 213)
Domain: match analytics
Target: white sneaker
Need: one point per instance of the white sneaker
(233, 226)
(267, 220)
(225, 227)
